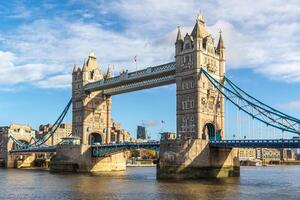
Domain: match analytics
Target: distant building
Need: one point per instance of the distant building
(119, 135)
(168, 136)
(141, 133)
(247, 154)
(267, 154)
(63, 131)
(17, 129)
(21, 132)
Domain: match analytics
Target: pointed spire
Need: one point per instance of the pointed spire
(179, 37)
(199, 28)
(92, 54)
(84, 65)
(108, 73)
(221, 42)
(200, 17)
(74, 68)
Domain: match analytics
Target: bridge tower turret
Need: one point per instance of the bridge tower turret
(91, 122)
(91, 111)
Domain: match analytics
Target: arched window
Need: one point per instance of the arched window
(95, 139)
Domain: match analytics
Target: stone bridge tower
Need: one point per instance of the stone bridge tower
(200, 108)
(92, 123)
(91, 111)
(200, 111)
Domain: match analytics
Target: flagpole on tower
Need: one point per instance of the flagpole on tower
(135, 60)
(162, 122)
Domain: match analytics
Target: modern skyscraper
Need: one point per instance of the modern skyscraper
(141, 132)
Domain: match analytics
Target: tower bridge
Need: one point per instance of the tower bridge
(200, 149)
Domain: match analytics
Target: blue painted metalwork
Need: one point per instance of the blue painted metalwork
(144, 84)
(108, 149)
(281, 143)
(253, 107)
(53, 128)
(41, 142)
(35, 150)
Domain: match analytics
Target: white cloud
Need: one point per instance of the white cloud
(294, 105)
(151, 123)
(59, 81)
(10, 73)
(262, 36)
(257, 35)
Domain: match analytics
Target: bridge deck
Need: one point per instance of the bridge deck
(281, 143)
(106, 149)
(35, 150)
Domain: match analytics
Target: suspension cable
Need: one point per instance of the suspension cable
(263, 112)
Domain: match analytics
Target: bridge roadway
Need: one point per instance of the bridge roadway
(107, 149)
(278, 143)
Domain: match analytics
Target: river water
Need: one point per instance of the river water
(279, 182)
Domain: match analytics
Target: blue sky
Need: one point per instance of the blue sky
(40, 41)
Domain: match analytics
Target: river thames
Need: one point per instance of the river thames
(278, 182)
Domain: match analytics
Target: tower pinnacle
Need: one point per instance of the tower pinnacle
(179, 37)
(200, 17)
(92, 54)
(108, 73)
(221, 42)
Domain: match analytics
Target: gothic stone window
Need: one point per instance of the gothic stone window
(188, 103)
(187, 46)
(188, 84)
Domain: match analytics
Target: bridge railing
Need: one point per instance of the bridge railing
(141, 85)
(107, 149)
(262, 143)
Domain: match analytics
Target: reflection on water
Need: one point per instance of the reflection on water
(280, 182)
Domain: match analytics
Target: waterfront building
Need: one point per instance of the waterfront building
(16, 129)
(63, 131)
(21, 132)
(168, 136)
(118, 134)
(267, 154)
(247, 154)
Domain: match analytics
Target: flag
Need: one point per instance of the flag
(135, 58)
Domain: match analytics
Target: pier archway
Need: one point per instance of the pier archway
(96, 138)
(210, 131)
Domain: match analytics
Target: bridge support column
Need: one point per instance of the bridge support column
(193, 159)
(78, 158)
(19, 161)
